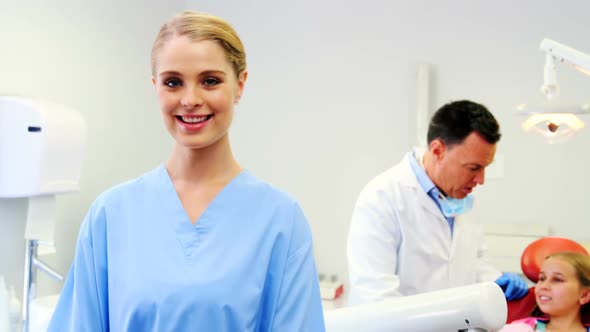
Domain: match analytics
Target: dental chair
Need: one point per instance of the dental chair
(532, 259)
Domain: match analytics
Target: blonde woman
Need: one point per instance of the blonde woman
(199, 243)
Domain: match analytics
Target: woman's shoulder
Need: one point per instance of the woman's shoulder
(263, 189)
(128, 194)
(282, 208)
(128, 191)
(283, 215)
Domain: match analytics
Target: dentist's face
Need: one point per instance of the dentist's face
(461, 167)
(197, 89)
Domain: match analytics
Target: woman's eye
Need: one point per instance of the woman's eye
(210, 81)
(173, 83)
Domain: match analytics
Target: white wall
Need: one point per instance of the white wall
(331, 97)
(92, 56)
(328, 105)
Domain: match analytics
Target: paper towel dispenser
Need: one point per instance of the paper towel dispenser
(42, 145)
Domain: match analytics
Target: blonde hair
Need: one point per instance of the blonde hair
(198, 27)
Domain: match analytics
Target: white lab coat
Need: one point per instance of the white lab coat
(400, 243)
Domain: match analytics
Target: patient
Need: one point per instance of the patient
(562, 295)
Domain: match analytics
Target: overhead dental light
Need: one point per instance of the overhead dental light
(553, 120)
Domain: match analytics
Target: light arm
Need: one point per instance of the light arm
(557, 53)
(563, 53)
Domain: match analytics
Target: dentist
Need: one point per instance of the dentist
(410, 233)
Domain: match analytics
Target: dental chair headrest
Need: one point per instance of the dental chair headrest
(536, 252)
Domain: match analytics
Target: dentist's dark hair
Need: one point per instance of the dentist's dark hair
(454, 121)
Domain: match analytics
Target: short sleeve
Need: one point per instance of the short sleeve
(299, 306)
(83, 303)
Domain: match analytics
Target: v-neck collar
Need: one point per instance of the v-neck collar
(190, 235)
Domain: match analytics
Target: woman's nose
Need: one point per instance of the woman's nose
(543, 284)
(191, 98)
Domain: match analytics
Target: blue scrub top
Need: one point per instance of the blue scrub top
(141, 265)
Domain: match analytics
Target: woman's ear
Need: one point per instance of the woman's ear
(242, 83)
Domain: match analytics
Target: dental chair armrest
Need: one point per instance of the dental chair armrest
(521, 308)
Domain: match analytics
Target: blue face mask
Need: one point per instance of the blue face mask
(452, 207)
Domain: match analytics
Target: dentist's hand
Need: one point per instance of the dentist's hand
(513, 286)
